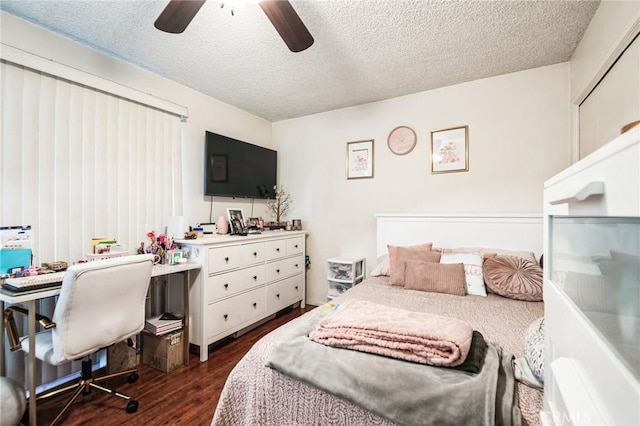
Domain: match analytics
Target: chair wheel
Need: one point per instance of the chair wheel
(86, 392)
(132, 378)
(132, 406)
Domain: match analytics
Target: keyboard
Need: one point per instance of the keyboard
(37, 282)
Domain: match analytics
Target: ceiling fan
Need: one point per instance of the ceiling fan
(177, 15)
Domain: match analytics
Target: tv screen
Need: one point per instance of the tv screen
(238, 169)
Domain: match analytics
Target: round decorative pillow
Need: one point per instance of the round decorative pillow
(513, 277)
(534, 348)
(12, 401)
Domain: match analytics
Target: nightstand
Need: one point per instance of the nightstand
(343, 273)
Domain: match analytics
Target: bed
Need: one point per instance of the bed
(259, 395)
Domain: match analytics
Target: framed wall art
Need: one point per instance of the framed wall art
(450, 150)
(360, 159)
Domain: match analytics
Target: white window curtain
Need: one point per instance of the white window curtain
(78, 163)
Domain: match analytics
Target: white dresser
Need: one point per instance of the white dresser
(592, 288)
(242, 281)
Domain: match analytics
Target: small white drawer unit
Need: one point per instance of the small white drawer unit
(343, 273)
(242, 281)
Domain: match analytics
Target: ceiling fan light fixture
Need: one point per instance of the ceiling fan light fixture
(177, 15)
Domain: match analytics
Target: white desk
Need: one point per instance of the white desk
(30, 301)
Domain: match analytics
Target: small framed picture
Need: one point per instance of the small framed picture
(360, 159)
(253, 223)
(450, 150)
(236, 221)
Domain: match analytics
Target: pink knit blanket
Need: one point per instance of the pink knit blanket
(383, 330)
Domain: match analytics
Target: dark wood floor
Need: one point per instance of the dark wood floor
(184, 396)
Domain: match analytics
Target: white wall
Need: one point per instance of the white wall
(205, 113)
(518, 138)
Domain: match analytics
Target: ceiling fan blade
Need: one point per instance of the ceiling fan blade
(177, 15)
(288, 24)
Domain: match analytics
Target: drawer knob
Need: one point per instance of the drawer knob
(255, 305)
(225, 316)
(226, 259)
(278, 271)
(278, 249)
(255, 278)
(296, 287)
(296, 265)
(255, 253)
(296, 246)
(278, 295)
(226, 286)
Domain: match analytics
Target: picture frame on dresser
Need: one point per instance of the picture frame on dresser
(236, 221)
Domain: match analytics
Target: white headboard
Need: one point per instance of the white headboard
(505, 231)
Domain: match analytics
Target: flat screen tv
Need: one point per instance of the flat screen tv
(238, 169)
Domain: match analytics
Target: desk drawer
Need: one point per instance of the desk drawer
(226, 285)
(285, 292)
(295, 245)
(229, 313)
(223, 258)
(276, 249)
(252, 253)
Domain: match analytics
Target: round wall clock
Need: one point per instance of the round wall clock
(402, 140)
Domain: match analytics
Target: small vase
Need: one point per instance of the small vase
(223, 225)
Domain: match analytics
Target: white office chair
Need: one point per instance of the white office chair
(100, 303)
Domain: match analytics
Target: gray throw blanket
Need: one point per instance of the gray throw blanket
(404, 392)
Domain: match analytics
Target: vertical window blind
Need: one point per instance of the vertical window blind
(78, 163)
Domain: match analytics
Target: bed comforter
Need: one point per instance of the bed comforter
(257, 395)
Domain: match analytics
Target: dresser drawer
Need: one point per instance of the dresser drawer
(225, 285)
(223, 258)
(229, 313)
(284, 268)
(276, 249)
(295, 245)
(252, 253)
(285, 292)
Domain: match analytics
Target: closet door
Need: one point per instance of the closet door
(613, 103)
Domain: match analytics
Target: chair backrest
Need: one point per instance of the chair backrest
(100, 303)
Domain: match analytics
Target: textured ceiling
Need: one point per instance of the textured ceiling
(364, 51)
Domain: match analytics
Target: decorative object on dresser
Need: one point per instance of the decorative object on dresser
(243, 281)
(279, 206)
(450, 150)
(223, 225)
(343, 273)
(402, 140)
(360, 159)
(236, 222)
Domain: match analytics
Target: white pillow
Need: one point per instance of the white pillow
(383, 267)
(472, 270)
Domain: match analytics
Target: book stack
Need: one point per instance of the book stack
(163, 324)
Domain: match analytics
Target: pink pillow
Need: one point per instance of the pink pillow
(435, 277)
(514, 277)
(393, 250)
(402, 254)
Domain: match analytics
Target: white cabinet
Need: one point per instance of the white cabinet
(592, 288)
(343, 273)
(242, 281)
